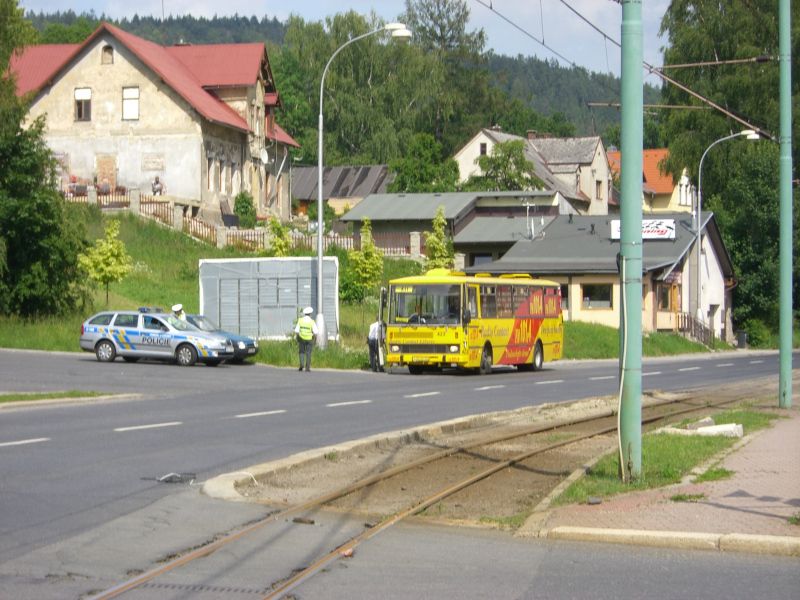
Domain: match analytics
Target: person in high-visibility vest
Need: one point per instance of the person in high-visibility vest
(306, 331)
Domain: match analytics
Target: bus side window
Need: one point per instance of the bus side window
(472, 301)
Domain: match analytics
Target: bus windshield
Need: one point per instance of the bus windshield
(438, 304)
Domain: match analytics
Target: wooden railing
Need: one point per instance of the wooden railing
(690, 327)
(200, 230)
(160, 210)
(247, 239)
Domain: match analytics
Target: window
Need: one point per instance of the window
(107, 58)
(126, 320)
(483, 149)
(597, 295)
(667, 297)
(83, 104)
(488, 302)
(210, 173)
(153, 324)
(130, 104)
(598, 189)
(565, 295)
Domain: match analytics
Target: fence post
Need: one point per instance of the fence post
(222, 236)
(415, 238)
(136, 199)
(177, 218)
(91, 194)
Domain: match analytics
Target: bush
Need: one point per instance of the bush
(758, 334)
(245, 209)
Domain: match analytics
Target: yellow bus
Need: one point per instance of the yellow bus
(447, 319)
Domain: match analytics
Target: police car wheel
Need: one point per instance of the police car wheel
(186, 355)
(105, 351)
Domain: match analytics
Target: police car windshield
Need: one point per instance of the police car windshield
(203, 323)
(179, 324)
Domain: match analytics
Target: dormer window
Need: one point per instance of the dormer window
(107, 57)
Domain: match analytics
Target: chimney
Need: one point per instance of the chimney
(495, 127)
(532, 134)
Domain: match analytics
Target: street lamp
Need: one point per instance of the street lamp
(401, 33)
(746, 133)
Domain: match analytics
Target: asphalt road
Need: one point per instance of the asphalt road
(70, 467)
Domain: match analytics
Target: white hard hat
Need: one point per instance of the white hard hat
(177, 307)
(308, 310)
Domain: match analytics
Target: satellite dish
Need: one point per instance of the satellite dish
(264, 156)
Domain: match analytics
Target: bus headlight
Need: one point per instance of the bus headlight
(453, 349)
(395, 348)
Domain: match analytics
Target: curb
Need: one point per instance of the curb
(224, 486)
(723, 542)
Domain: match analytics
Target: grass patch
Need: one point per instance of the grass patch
(687, 497)
(33, 396)
(794, 519)
(513, 522)
(715, 474)
(331, 456)
(587, 340)
(666, 459)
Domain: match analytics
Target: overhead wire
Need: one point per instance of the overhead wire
(650, 68)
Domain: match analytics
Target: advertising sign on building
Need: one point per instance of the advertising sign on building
(652, 229)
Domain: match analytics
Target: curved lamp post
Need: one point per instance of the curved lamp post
(748, 134)
(399, 32)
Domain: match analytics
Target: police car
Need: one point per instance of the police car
(154, 335)
(243, 345)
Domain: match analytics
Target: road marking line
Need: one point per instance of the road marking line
(153, 426)
(549, 382)
(422, 394)
(725, 365)
(756, 362)
(335, 404)
(23, 442)
(651, 373)
(488, 387)
(602, 377)
(689, 369)
(260, 414)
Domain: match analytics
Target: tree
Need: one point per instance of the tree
(40, 274)
(740, 178)
(107, 261)
(505, 169)
(439, 253)
(424, 168)
(279, 235)
(365, 267)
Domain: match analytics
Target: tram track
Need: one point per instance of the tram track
(479, 450)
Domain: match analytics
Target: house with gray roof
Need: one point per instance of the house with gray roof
(576, 168)
(342, 187)
(580, 253)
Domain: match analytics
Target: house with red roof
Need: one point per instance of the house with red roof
(660, 192)
(121, 111)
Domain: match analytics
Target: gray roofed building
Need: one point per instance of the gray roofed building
(584, 245)
(580, 253)
(341, 186)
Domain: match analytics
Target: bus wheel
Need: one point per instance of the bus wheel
(415, 369)
(538, 357)
(486, 360)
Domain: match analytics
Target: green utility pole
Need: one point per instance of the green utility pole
(785, 326)
(630, 417)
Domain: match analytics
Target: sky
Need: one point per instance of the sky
(547, 20)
